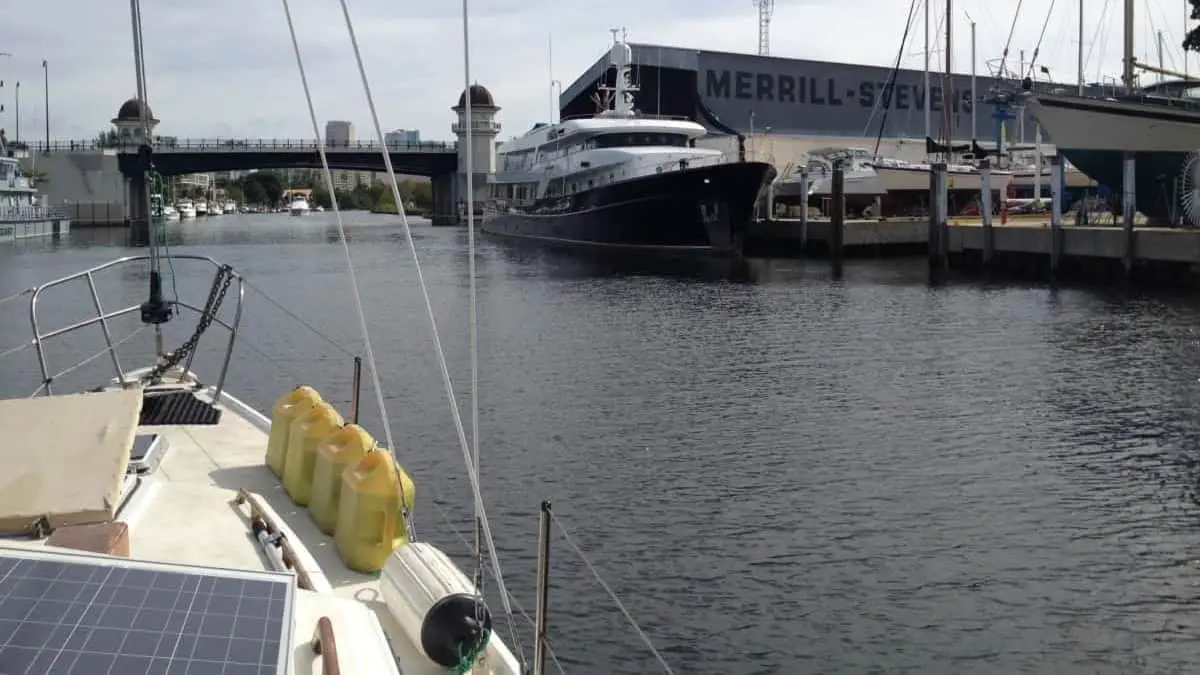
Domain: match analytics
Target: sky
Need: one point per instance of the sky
(226, 69)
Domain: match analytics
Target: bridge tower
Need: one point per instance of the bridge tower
(482, 148)
(128, 122)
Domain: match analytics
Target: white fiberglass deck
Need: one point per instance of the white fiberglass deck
(185, 511)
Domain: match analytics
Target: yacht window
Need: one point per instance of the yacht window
(628, 140)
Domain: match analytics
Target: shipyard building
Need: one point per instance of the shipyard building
(786, 107)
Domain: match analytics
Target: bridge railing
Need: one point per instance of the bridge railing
(168, 144)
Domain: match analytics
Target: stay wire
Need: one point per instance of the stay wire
(485, 526)
(358, 306)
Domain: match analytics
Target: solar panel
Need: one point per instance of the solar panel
(67, 614)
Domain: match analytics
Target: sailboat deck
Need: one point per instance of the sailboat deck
(186, 511)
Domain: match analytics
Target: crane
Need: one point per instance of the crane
(765, 8)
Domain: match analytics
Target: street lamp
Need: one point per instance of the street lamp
(17, 112)
(46, 89)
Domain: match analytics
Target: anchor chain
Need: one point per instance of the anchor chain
(216, 295)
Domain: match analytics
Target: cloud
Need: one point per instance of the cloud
(225, 68)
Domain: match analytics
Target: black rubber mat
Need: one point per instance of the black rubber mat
(177, 407)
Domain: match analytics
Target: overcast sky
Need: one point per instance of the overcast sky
(224, 68)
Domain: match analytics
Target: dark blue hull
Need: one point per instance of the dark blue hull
(705, 210)
(1157, 179)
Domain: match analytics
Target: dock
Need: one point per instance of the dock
(1026, 246)
(12, 230)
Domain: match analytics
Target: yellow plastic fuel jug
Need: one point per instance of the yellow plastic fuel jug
(370, 523)
(305, 434)
(288, 407)
(341, 449)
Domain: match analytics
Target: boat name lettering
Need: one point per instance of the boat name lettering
(825, 91)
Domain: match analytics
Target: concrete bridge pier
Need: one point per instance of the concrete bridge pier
(445, 201)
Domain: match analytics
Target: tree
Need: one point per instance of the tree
(108, 139)
(261, 187)
(1191, 41)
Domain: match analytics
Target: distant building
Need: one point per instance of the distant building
(339, 133)
(402, 136)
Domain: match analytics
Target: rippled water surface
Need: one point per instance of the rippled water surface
(776, 472)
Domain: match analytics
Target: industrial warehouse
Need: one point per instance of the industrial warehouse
(786, 107)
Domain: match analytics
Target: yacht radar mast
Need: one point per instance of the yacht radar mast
(623, 89)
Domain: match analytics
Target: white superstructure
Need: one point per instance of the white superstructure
(615, 145)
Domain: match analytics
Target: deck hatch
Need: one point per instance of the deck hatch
(177, 407)
(74, 613)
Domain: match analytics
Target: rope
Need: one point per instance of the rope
(611, 593)
(1008, 43)
(886, 99)
(1041, 36)
(466, 660)
(467, 546)
(358, 306)
(437, 342)
(279, 305)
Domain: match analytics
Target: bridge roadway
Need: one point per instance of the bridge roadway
(178, 156)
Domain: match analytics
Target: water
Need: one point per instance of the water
(777, 473)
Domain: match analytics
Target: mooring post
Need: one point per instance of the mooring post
(1129, 204)
(938, 207)
(1056, 200)
(837, 217)
(804, 208)
(540, 632)
(985, 212)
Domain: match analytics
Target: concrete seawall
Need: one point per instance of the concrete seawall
(88, 186)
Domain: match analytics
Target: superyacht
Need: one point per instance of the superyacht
(620, 179)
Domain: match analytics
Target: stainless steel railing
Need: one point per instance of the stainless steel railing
(103, 319)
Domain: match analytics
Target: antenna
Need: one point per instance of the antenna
(765, 9)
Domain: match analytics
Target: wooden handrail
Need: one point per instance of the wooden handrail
(324, 644)
(257, 512)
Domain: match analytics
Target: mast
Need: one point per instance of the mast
(974, 96)
(928, 120)
(1127, 74)
(1080, 55)
(155, 310)
(948, 91)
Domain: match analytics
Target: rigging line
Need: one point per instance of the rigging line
(611, 593)
(891, 83)
(437, 341)
(1101, 38)
(17, 349)
(358, 306)
(474, 337)
(467, 545)
(1012, 29)
(334, 343)
(89, 359)
(1041, 36)
(879, 104)
(16, 295)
